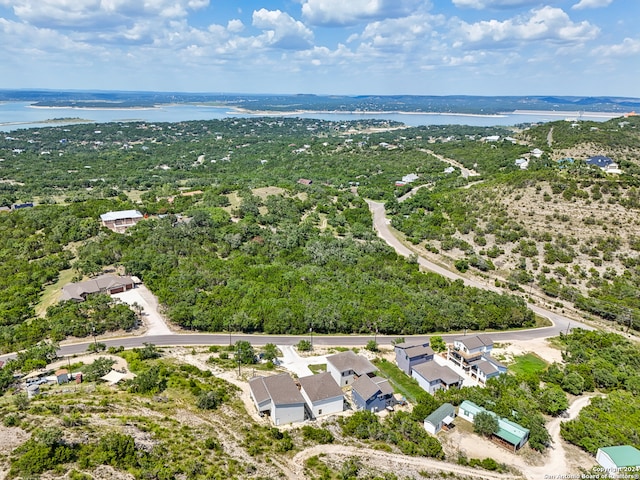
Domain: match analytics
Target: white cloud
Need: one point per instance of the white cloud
(546, 23)
(281, 30)
(351, 12)
(404, 34)
(235, 26)
(482, 4)
(628, 47)
(591, 4)
(98, 14)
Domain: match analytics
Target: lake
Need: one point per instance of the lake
(17, 115)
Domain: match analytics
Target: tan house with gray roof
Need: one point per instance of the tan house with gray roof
(107, 283)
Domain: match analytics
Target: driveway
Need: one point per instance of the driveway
(297, 364)
(151, 317)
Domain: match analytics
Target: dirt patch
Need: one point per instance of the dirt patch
(540, 346)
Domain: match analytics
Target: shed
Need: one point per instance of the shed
(439, 418)
(617, 458)
(62, 376)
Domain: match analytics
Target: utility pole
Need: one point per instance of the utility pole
(311, 336)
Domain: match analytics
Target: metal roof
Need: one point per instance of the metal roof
(121, 215)
(439, 414)
(623, 455)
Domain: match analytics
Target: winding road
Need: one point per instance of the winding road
(381, 224)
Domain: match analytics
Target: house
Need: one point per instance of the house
(409, 354)
(599, 161)
(433, 377)
(440, 418)
(107, 283)
(509, 435)
(412, 177)
(305, 181)
(485, 368)
(536, 152)
(120, 221)
(372, 393)
(523, 163)
(345, 367)
(618, 460)
(322, 394)
(449, 170)
(279, 397)
(468, 349)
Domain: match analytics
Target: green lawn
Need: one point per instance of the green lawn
(401, 382)
(528, 363)
(322, 367)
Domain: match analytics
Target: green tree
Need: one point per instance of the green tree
(485, 424)
(372, 346)
(553, 400)
(245, 353)
(573, 383)
(270, 352)
(438, 344)
(304, 346)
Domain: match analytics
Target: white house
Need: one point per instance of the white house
(433, 377)
(279, 397)
(346, 367)
(440, 418)
(322, 394)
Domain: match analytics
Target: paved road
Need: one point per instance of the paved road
(561, 323)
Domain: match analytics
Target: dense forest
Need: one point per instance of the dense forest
(252, 249)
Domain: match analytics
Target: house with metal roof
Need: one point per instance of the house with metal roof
(106, 283)
(322, 394)
(509, 435)
(346, 367)
(278, 396)
(121, 220)
(409, 354)
(440, 418)
(433, 377)
(618, 460)
(372, 393)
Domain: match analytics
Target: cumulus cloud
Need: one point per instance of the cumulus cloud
(591, 4)
(235, 26)
(628, 47)
(351, 12)
(281, 30)
(98, 14)
(397, 35)
(546, 23)
(482, 4)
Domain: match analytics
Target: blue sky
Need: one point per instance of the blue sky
(422, 47)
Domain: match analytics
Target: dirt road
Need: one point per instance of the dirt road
(401, 465)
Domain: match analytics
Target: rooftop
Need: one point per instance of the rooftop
(475, 341)
(281, 389)
(74, 291)
(320, 387)
(431, 371)
(439, 414)
(369, 387)
(348, 360)
(121, 215)
(623, 455)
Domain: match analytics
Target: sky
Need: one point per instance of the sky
(342, 47)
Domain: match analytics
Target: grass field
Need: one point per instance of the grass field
(52, 292)
(528, 363)
(401, 382)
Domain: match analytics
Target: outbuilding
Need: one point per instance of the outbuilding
(618, 460)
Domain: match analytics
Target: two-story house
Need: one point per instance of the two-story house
(410, 354)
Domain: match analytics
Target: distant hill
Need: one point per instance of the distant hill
(366, 103)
